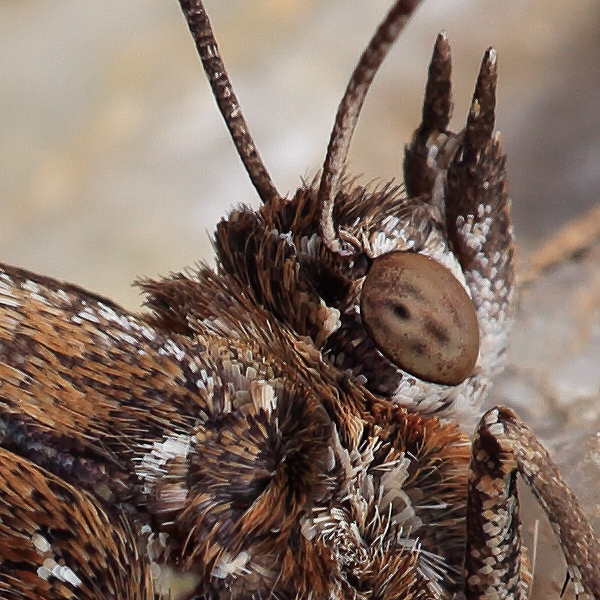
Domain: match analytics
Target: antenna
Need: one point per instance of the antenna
(227, 101)
(349, 111)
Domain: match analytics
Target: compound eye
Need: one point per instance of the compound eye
(420, 317)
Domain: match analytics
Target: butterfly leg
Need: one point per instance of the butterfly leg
(494, 567)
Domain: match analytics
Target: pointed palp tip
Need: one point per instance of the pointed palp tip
(441, 61)
(488, 73)
(442, 37)
(489, 64)
(442, 45)
(491, 56)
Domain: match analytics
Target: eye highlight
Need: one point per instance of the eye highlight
(420, 317)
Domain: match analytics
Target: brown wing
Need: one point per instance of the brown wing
(58, 543)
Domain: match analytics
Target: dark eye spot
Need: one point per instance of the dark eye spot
(401, 312)
(418, 348)
(439, 333)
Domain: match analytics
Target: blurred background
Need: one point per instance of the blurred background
(114, 162)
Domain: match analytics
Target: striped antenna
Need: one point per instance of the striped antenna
(349, 111)
(227, 101)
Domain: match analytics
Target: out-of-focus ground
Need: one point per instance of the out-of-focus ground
(114, 162)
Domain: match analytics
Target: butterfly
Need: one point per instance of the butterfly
(261, 426)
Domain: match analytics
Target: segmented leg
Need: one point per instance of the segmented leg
(503, 447)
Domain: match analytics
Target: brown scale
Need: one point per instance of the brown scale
(289, 426)
(58, 542)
